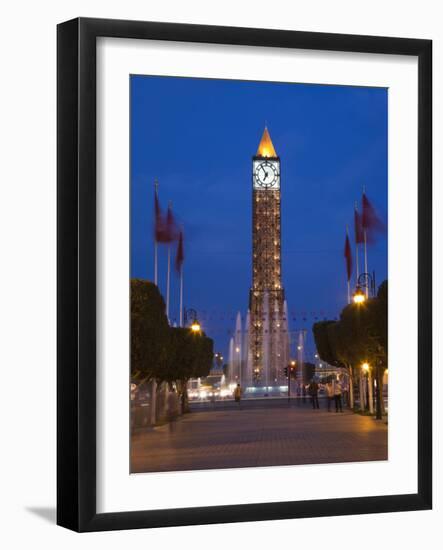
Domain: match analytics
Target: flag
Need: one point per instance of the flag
(358, 228)
(180, 256)
(159, 222)
(370, 221)
(348, 257)
(165, 229)
(172, 231)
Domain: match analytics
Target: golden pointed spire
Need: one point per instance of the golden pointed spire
(266, 147)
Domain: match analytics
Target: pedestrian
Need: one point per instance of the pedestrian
(172, 410)
(345, 390)
(237, 394)
(303, 393)
(337, 396)
(313, 392)
(329, 394)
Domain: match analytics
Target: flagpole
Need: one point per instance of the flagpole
(356, 253)
(366, 263)
(348, 279)
(155, 242)
(168, 280)
(366, 252)
(181, 296)
(155, 262)
(153, 415)
(168, 277)
(348, 263)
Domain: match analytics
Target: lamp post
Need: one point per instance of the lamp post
(367, 281)
(218, 359)
(368, 381)
(191, 314)
(291, 367)
(379, 372)
(365, 288)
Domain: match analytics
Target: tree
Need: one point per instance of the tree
(353, 345)
(331, 348)
(377, 326)
(323, 342)
(360, 335)
(339, 349)
(150, 332)
(191, 357)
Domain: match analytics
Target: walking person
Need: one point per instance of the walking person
(337, 396)
(172, 410)
(237, 394)
(313, 392)
(303, 392)
(329, 394)
(345, 390)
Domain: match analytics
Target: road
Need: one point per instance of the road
(260, 433)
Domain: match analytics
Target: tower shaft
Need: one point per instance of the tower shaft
(267, 294)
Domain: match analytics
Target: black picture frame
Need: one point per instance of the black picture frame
(76, 265)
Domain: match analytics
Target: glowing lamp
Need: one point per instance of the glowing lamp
(359, 296)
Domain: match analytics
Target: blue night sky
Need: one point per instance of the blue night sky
(198, 137)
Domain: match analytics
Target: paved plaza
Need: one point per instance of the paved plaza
(260, 433)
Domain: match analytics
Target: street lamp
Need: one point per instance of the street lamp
(367, 281)
(195, 325)
(365, 367)
(359, 296)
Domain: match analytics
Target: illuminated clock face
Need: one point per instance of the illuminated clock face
(266, 175)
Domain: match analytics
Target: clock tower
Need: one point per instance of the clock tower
(268, 341)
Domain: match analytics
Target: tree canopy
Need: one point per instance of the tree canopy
(358, 336)
(191, 355)
(324, 342)
(150, 332)
(158, 350)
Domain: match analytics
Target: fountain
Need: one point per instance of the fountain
(300, 356)
(275, 351)
(286, 334)
(266, 341)
(231, 362)
(247, 356)
(238, 349)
